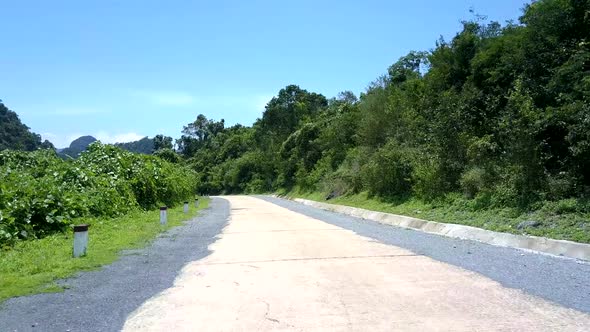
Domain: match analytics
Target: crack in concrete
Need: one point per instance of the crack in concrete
(289, 230)
(267, 317)
(308, 259)
(267, 312)
(346, 311)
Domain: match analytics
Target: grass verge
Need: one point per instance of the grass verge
(32, 266)
(562, 220)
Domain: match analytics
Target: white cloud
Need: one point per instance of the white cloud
(53, 138)
(117, 138)
(60, 141)
(179, 98)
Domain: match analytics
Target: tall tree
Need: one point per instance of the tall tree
(289, 109)
(162, 142)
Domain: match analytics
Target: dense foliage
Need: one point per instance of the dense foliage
(15, 135)
(144, 145)
(40, 193)
(499, 114)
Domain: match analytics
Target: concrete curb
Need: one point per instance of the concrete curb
(534, 243)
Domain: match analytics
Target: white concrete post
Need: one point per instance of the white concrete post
(163, 215)
(196, 202)
(185, 207)
(80, 240)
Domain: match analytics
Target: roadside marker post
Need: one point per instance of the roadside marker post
(186, 207)
(80, 240)
(196, 202)
(163, 215)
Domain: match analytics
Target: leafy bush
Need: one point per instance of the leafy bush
(168, 155)
(388, 172)
(516, 188)
(561, 185)
(428, 181)
(349, 171)
(473, 181)
(41, 194)
(257, 186)
(315, 180)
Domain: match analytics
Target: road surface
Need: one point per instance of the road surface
(274, 269)
(251, 264)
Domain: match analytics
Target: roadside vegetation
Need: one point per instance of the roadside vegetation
(490, 128)
(115, 191)
(492, 123)
(565, 219)
(32, 266)
(41, 194)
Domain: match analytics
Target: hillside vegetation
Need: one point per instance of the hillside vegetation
(41, 194)
(144, 145)
(490, 128)
(498, 117)
(15, 135)
(148, 145)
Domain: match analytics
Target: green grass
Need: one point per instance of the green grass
(32, 266)
(563, 220)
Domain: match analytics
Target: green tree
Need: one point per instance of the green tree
(284, 113)
(15, 135)
(162, 142)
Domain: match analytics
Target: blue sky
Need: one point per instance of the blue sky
(121, 70)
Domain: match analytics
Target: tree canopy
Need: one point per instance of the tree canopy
(498, 113)
(15, 135)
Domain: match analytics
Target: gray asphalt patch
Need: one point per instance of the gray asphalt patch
(102, 300)
(560, 280)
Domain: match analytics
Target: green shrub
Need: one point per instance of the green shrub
(473, 181)
(42, 194)
(388, 172)
(168, 155)
(350, 170)
(256, 186)
(517, 187)
(561, 186)
(427, 178)
(315, 180)
(563, 206)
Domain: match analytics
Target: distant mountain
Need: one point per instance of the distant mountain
(15, 135)
(80, 144)
(144, 145)
(77, 146)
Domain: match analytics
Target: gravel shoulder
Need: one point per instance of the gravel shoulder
(560, 280)
(102, 300)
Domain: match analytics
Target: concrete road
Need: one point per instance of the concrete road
(275, 269)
